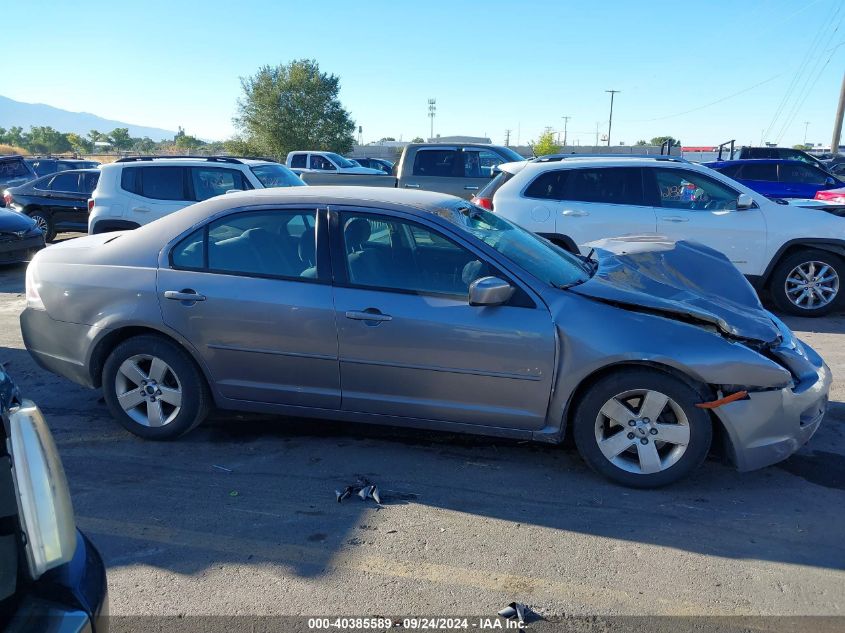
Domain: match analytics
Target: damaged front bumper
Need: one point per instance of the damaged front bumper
(770, 425)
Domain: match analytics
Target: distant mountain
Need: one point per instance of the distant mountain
(17, 113)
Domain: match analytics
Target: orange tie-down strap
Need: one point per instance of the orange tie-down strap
(739, 395)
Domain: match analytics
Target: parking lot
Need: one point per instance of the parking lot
(240, 516)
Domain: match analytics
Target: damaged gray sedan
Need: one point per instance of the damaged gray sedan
(421, 310)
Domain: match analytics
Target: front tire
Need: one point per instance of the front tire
(154, 389)
(45, 223)
(641, 428)
(808, 283)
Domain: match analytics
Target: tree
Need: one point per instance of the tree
(78, 144)
(45, 140)
(293, 107)
(95, 136)
(802, 146)
(144, 145)
(120, 139)
(642, 142)
(659, 140)
(418, 139)
(15, 136)
(545, 145)
(386, 138)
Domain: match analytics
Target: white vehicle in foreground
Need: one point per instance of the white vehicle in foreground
(136, 190)
(312, 161)
(793, 252)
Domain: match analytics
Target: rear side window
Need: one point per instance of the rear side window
(298, 160)
(190, 252)
(611, 185)
(763, 171)
(215, 181)
(157, 183)
(549, 185)
(65, 182)
(436, 162)
(89, 182)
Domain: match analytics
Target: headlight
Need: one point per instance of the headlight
(43, 497)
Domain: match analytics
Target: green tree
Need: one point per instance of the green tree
(386, 138)
(659, 140)
(15, 136)
(144, 145)
(120, 139)
(642, 142)
(79, 144)
(95, 136)
(418, 139)
(802, 146)
(45, 140)
(545, 145)
(293, 106)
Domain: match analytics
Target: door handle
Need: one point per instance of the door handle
(574, 213)
(184, 295)
(675, 218)
(470, 188)
(410, 186)
(370, 314)
(141, 209)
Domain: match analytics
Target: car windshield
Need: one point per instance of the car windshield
(340, 161)
(546, 261)
(275, 175)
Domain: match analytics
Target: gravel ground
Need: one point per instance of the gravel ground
(240, 516)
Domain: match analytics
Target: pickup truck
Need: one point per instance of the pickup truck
(458, 169)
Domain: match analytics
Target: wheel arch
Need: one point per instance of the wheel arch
(835, 246)
(109, 341)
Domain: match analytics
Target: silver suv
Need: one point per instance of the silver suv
(135, 191)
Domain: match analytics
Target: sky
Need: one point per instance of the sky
(701, 71)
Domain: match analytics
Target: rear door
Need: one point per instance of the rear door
(410, 345)
(155, 191)
(68, 204)
(478, 169)
(693, 206)
(246, 292)
(437, 169)
(594, 203)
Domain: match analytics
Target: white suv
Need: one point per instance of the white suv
(137, 190)
(794, 252)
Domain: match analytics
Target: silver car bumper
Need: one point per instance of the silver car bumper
(771, 425)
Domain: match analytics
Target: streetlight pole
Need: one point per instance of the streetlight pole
(806, 124)
(432, 110)
(565, 122)
(610, 120)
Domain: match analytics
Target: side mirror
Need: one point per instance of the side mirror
(490, 291)
(829, 181)
(744, 201)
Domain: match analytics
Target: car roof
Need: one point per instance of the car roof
(582, 161)
(756, 161)
(182, 161)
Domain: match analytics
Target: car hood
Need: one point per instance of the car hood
(680, 279)
(12, 222)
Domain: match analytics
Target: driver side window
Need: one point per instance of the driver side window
(681, 189)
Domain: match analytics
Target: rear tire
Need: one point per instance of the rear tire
(640, 428)
(45, 223)
(808, 283)
(154, 389)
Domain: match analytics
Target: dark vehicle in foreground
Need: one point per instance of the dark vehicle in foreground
(45, 165)
(420, 309)
(778, 178)
(58, 202)
(51, 576)
(14, 171)
(375, 163)
(20, 237)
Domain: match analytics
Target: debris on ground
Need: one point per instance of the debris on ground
(519, 612)
(363, 487)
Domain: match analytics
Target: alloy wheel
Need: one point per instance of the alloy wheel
(642, 431)
(41, 223)
(812, 285)
(148, 390)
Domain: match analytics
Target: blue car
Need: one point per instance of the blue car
(776, 178)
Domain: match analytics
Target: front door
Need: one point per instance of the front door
(698, 208)
(412, 346)
(68, 205)
(247, 295)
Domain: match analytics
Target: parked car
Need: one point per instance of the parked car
(779, 153)
(14, 171)
(793, 252)
(312, 161)
(58, 202)
(457, 169)
(51, 577)
(20, 237)
(421, 309)
(778, 178)
(380, 164)
(135, 191)
(44, 165)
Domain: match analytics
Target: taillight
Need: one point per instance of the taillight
(484, 203)
(833, 195)
(7, 198)
(33, 296)
(90, 205)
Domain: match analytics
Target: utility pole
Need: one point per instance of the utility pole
(432, 110)
(507, 138)
(610, 120)
(837, 123)
(598, 123)
(565, 122)
(806, 124)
